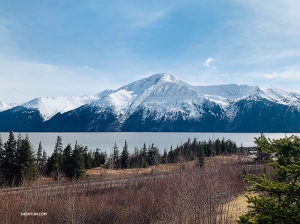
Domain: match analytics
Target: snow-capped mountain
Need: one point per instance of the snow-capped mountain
(6, 106)
(50, 106)
(161, 102)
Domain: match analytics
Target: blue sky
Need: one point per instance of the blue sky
(73, 48)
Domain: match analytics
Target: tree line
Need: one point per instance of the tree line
(19, 162)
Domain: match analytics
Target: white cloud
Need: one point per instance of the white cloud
(208, 61)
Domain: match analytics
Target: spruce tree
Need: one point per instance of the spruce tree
(87, 158)
(26, 167)
(39, 154)
(99, 158)
(78, 161)
(39, 158)
(281, 200)
(44, 157)
(67, 161)
(9, 160)
(44, 163)
(124, 156)
(201, 155)
(143, 157)
(55, 163)
(116, 157)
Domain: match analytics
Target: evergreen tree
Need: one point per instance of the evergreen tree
(39, 155)
(44, 158)
(39, 158)
(164, 158)
(218, 146)
(87, 158)
(26, 167)
(78, 161)
(201, 157)
(135, 158)
(124, 156)
(55, 162)
(67, 161)
(194, 147)
(9, 160)
(99, 158)
(223, 146)
(143, 157)
(153, 156)
(171, 155)
(281, 203)
(116, 157)
(43, 167)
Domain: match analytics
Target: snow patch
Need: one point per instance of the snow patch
(49, 106)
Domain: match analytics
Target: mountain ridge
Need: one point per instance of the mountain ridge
(161, 102)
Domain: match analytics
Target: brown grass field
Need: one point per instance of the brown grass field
(212, 194)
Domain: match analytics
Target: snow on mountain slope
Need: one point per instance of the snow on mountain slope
(229, 91)
(6, 106)
(279, 96)
(49, 106)
(121, 99)
(160, 94)
(163, 94)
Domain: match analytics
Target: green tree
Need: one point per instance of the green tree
(9, 160)
(153, 155)
(55, 162)
(87, 158)
(143, 156)
(99, 158)
(26, 167)
(67, 161)
(218, 146)
(282, 187)
(39, 154)
(116, 156)
(124, 156)
(201, 155)
(78, 161)
(39, 158)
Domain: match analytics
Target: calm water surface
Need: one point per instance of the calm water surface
(163, 140)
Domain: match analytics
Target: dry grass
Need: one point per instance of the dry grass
(100, 172)
(239, 206)
(194, 195)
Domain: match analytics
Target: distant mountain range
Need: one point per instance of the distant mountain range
(160, 102)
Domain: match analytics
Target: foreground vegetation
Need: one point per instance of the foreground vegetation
(20, 164)
(278, 185)
(200, 191)
(189, 195)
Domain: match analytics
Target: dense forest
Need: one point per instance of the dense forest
(20, 163)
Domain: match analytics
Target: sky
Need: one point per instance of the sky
(73, 48)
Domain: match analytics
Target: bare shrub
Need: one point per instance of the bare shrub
(188, 195)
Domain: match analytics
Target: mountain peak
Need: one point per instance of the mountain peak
(164, 77)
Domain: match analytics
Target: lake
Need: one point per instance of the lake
(106, 140)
